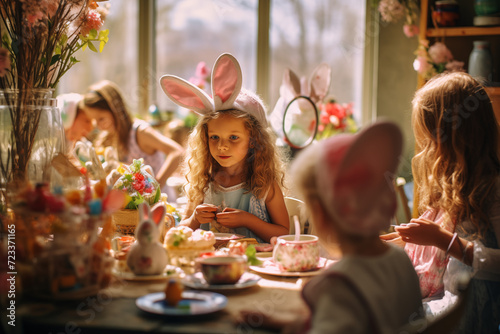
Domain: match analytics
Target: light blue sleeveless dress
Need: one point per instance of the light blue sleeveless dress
(236, 197)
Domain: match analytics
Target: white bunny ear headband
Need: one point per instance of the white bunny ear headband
(226, 91)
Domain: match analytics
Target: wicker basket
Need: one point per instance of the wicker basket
(125, 221)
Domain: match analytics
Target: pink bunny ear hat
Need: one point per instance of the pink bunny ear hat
(68, 104)
(354, 175)
(226, 91)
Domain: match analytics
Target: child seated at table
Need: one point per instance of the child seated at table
(346, 182)
(236, 174)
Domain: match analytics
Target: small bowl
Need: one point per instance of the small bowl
(222, 269)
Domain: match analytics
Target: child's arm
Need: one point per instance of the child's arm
(276, 208)
(150, 141)
(195, 215)
(422, 231)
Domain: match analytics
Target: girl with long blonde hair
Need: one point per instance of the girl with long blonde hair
(457, 174)
(235, 172)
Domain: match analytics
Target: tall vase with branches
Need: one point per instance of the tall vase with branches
(38, 43)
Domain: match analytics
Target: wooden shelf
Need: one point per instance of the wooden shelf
(462, 31)
(493, 91)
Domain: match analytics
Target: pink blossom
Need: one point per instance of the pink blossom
(4, 61)
(455, 65)
(92, 21)
(439, 53)
(421, 65)
(410, 30)
(202, 70)
(391, 10)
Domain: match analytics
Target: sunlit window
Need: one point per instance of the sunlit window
(305, 33)
(191, 31)
(117, 62)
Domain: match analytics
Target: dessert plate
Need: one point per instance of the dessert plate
(197, 281)
(170, 271)
(228, 236)
(192, 303)
(270, 268)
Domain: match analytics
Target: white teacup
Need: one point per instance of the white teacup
(296, 255)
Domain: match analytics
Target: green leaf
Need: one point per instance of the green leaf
(101, 46)
(157, 195)
(55, 59)
(251, 254)
(92, 47)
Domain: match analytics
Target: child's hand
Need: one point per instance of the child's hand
(232, 218)
(393, 238)
(421, 232)
(205, 213)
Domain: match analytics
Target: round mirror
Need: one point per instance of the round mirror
(300, 122)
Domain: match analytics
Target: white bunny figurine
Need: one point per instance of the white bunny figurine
(147, 255)
(291, 87)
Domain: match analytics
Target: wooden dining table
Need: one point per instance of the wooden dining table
(114, 309)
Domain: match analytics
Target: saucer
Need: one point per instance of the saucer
(197, 281)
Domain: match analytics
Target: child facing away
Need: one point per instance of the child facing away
(132, 138)
(236, 174)
(346, 184)
(457, 172)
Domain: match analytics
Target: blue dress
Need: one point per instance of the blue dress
(235, 197)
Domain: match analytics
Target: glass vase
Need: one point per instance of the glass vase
(31, 134)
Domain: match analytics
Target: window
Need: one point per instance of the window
(305, 33)
(118, 60)
(191, 31)
(302, 34)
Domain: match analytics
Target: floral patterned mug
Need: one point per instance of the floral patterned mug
(300, 255)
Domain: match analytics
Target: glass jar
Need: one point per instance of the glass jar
(31, 133)
(480, 61)
(446, 14)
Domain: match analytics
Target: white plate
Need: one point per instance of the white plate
(197, 281)
(192, 303)
(228, 236)
(269, 268)
(171, 271)
(263, 256)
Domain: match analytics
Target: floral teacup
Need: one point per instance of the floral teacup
(300, 255)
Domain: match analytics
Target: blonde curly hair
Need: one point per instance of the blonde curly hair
(457, 139)
(265, 162)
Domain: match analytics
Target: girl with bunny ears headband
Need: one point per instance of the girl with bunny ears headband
(346, 181)
(235, 172)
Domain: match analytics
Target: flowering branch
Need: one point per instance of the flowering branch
(38, 41)
(392, 11)
(435, 59)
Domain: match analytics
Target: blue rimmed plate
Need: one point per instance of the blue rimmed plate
(192, 303)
